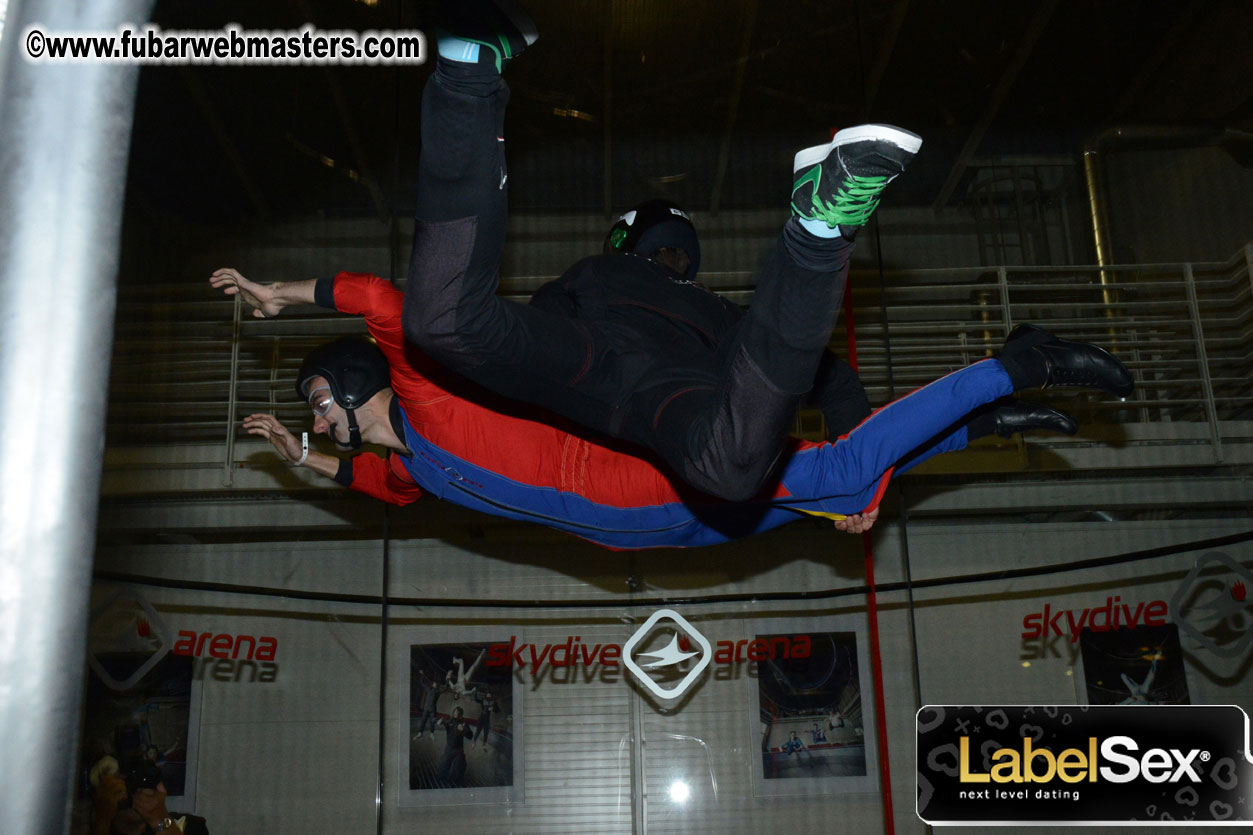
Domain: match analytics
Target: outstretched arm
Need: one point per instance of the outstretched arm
(266, 300)
(288, 446)
(366, 473)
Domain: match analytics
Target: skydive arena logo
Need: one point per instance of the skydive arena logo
(126, 638)
(1058, 765)
(665, 649)
(668, 656)
(1215, 609)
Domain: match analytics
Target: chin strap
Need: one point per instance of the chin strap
(354, 434)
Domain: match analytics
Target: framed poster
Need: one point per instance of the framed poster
(1142, 665)
(813, 714)
(461, 724)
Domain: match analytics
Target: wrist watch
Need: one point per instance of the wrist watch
(166, 823)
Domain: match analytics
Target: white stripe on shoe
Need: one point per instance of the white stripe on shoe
(907, 141)
(520, 20)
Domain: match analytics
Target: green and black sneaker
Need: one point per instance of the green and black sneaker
(490, 32)
(836, 186)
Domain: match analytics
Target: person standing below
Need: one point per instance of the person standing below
(133, 803)
(452, 763)
(487, 706)
(429, 691)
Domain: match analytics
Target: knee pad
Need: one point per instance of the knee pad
(732, 452)
(437, 273)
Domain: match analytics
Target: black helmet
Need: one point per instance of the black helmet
(652, 225)
(354, 369)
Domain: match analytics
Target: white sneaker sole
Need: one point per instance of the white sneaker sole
(903, 139)
(520, 20)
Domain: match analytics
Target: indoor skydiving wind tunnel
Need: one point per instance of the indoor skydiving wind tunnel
(247, 642)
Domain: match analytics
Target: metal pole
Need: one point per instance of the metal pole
(1039, 22)
(228, 466)
(733, 109)
(1002, 280)
(1096, 211)
(607, 118)
(64, 136)
(1202, 359)
(1248, 263)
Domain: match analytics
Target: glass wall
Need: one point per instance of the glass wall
(294, 657)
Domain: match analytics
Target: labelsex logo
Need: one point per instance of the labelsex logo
(668, 656)
(1157, 765)
(1050, 765)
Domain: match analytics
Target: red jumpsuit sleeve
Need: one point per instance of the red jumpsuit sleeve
(530, 447)
(383, 479)
(380, 304)
(374, 299)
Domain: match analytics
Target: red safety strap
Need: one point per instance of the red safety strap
(872, 610)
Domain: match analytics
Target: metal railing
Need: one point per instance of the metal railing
(188, 366)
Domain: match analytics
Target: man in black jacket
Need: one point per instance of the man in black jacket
(627, 343)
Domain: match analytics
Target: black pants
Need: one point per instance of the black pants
(717, 415)
(452, 766)
(484, 728)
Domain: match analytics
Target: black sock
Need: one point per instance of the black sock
(981, 425)
(1027, 370)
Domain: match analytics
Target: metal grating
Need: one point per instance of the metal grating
(186, 369)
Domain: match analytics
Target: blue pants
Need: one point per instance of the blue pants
(842, 477)
(850, 475)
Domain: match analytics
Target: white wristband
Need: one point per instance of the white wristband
(304, 447)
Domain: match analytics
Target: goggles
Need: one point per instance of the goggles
(319, 402)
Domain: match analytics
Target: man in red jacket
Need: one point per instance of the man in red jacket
(629, 345)
(451, 438)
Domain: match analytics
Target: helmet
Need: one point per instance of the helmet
(355, 370)
(652, 225)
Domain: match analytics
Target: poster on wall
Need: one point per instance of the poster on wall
(141, 700)
(1143, 665)
(460, 727)
(812, 724)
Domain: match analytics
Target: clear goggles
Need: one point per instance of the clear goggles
(321, 401)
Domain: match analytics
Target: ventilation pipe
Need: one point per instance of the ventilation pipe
(1235, 143)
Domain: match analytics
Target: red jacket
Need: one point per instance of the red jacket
(543, 449)
(489, 453)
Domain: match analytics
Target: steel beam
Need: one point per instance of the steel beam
(733, 107)
(1043, 13)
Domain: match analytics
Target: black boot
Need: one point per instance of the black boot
(1020, 416)
(1036, 358)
